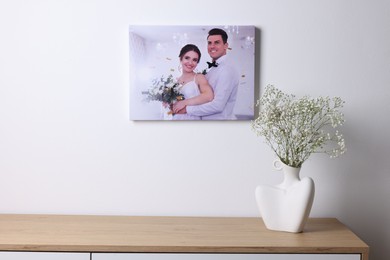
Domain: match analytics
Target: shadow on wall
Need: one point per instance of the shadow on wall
(366, 177)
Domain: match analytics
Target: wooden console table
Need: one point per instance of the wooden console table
(123, 237)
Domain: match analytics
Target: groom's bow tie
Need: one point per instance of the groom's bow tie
(212, 64)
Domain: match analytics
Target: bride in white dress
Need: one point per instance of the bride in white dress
(195, 88)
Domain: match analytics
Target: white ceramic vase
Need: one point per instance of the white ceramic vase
(286, 206)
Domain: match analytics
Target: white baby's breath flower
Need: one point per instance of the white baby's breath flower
(296, 128)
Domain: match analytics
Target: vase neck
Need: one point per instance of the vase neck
(290, 176)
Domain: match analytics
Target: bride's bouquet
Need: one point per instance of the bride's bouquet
(165, 90)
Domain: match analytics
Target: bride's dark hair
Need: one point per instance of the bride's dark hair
(187, 48)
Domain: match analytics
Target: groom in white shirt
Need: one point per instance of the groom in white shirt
(222, 77)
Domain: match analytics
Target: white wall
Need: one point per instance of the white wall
(67, 146)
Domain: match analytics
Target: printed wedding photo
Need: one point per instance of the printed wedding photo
(191, 72)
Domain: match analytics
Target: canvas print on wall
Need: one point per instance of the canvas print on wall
(192, 72)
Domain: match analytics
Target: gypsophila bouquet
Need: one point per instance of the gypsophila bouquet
(166, 90)
(296, 128)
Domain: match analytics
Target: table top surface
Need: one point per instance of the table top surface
(73, 233)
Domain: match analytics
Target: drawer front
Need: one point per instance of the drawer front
(43, 256)
(163, 256)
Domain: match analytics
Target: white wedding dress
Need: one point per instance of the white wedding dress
(189, 90)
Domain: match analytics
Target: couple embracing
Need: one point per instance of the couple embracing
(211, 96)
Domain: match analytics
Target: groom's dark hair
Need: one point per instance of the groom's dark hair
(218, 31)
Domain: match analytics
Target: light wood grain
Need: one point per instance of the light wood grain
(171, 234)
